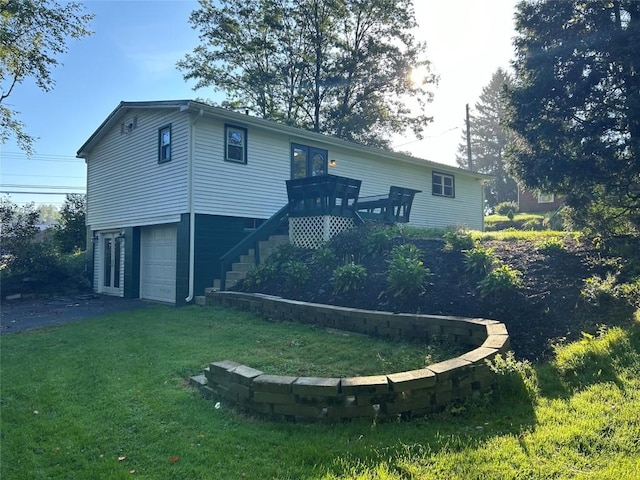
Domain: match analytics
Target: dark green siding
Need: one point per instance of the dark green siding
(132, 262)
(182, 260)
(214, 236)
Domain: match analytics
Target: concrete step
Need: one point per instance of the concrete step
(242, 266)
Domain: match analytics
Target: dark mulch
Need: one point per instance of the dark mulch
(546, 310)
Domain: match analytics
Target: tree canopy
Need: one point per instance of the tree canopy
(489, 140)
(340, 67)
(575, 107)
(32, 34)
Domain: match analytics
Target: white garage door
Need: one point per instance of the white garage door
(158, 263)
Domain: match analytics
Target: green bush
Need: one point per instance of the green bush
(348, 278)
(295, 273)
(260, 275)
(505, 207)
(479, 260)
(407, 275)
(325, 257)
(597, 289)
(551, 245)
(379, 240)
(500, 280)
(458, 241)
(517, 378)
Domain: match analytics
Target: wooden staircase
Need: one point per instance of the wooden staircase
(247, 261)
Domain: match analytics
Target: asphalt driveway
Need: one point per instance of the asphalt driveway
(20, 315)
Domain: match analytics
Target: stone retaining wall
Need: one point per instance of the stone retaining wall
(394, 395)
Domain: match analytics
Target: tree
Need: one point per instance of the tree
(489, 140)
(32, 34)
(71, 232)
(339, 67)
(19, 227)
(49, 214)
(575, 107)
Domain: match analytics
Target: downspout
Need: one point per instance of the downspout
(192, 214)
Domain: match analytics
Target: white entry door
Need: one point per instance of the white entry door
(111, 263)
(158, 263)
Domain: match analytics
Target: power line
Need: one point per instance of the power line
(55, 187)
(49, 157)
(40, 176)
(16, 192)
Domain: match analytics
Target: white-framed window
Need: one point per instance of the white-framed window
(164, 144)
(443, 185)
(546, 197)
(235, 144)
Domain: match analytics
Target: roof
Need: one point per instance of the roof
(200, 108)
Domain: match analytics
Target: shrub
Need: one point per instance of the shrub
(295, 273)
(551, 245)
(518, 378)
(325, 257)
(407, 274)
(458, 241)
(260, 275)
(379, 240)
(597, 289)
(479, 261)
(505, 207)
(500, 280)
(349, 277)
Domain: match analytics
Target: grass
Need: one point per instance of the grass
(107, 399)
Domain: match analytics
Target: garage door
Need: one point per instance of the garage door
(158, 263)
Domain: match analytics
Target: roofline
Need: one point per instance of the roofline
(192, 106)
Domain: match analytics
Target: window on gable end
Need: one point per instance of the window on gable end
(235, 144)
(164, 144)
(443, 185)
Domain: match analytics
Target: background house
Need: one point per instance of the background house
(532, 201)
(172, 185)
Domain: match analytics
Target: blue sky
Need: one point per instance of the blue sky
(132, 57)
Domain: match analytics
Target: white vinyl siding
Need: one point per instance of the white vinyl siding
(126, 186)
(254, 190)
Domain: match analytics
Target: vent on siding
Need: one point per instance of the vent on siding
(128, 126)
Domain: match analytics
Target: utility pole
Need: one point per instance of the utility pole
(469, 161)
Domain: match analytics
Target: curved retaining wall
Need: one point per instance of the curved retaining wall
(394, 395)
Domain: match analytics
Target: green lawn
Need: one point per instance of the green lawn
(108, 398)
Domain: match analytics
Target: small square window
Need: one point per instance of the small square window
(545, 197)
(235, 144)
(164, 144)
(443, 185)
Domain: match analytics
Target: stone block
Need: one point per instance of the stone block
(314, 386)
(275, 398)
(497, 329)
(273, 383)
(242, 391)
(480, 355)
(444, 370)
(499, 342)
(310, 412)
(244, 375)
(198, 381)
(411, 380)
(373, 384)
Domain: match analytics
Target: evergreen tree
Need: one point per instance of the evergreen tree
(339, 67)
(575, 107)
(489, 139)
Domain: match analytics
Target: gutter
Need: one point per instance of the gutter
(192, 213)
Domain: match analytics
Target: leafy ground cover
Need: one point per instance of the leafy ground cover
(108, 398)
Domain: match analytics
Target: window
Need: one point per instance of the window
(235, 144)
(164, 144)
(307, 161)
(545, 197)
(443, 185)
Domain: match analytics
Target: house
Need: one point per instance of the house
(173, 185)
(530, 201)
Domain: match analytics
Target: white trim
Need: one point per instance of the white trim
(143, 223)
